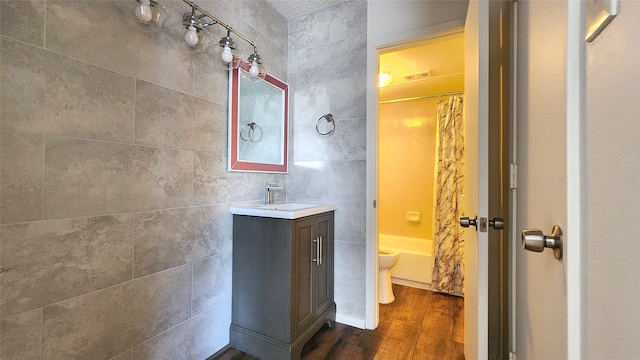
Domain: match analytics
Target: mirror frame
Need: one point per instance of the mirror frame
(235, 164)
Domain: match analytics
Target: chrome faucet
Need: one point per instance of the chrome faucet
(269, 188)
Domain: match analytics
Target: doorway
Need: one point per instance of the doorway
(415, 79)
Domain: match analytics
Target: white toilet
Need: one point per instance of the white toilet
(387, 258)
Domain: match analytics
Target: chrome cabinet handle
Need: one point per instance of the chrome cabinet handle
(318, 242)
(320, 251)
(535, 240)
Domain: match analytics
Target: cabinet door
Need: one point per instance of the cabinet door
(302, 310)
(323, 272)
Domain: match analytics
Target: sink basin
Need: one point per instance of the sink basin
(282, 211)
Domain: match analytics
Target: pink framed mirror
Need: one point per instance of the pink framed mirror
(258, 122)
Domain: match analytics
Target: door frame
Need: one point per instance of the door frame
(371, 249)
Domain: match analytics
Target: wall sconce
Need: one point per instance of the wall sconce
(151, 13)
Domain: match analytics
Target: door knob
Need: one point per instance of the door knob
(497, 223)
(466, 222)
(535, 240)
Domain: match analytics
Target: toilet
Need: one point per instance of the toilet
(387, 258)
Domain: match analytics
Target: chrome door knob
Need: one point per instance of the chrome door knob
(497, 223)
(535, 240)
(466, 222)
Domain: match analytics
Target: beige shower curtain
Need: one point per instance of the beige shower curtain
(448, 241)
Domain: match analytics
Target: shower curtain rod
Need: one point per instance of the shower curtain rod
(422, 97)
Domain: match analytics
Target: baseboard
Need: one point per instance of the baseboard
(415, 284)
(351, 321)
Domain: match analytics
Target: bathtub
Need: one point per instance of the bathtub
(415, 264)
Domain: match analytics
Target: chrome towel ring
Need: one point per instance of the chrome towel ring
(329, 119)
(250, 132)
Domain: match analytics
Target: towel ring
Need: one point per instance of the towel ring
(251, 132)
(329, 119)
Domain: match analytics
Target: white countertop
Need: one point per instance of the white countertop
(282, 211)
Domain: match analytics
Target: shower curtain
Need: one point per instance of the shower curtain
(448, 240)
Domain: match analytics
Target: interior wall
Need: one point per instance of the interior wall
(613, 158)
(327, 75)
(406, 147)
(114, 195)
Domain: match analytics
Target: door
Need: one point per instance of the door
(541, 306)
(487, 185)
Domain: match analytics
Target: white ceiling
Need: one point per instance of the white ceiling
(292, 9)
(442, 58)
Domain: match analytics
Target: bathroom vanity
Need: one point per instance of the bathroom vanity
(282, 277)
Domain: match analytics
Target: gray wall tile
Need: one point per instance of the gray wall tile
(309, 180)
(88, 177)
(348, 98)
(21, 181)
(169, 238)
(162, 57)
(211, 282)
(202, 125)
(107, 322)
(196, 339)
(310, 30)
(48, 93)
(347, 57)
(124, 356)
(21, 336)
(349, 263)
(351, 222)
(23, 20)
(309, 103)
(350, 300)
(352, 175)
(49, 261)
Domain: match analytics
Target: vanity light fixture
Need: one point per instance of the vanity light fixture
(257, 69)
(195, 25)
(152, 14)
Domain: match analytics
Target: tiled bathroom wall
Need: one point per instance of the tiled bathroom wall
(115, 234)
(407, 149)
(327, 74)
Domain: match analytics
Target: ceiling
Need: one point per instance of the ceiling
(442, 59)
(292, 9)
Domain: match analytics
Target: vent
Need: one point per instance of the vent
(418, 76)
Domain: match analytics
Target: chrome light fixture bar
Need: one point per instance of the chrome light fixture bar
(195, 24)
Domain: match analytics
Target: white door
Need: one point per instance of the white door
(487, 142)
(541, 281)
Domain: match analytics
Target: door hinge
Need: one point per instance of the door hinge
(513, 176)
(512, 356)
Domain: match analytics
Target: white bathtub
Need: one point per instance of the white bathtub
(415, 264)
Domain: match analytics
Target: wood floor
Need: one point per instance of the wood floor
(418, 325)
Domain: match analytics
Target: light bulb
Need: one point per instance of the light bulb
(227, 56)
(253, 70)
(143, 11)
(191, 36)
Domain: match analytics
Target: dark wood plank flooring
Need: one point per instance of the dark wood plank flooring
(418, 325)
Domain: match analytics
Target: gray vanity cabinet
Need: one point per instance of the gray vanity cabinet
(282, 283)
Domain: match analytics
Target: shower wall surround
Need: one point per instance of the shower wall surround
(327, 74)
(115, 233)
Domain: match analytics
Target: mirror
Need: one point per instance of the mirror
(258, 122)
